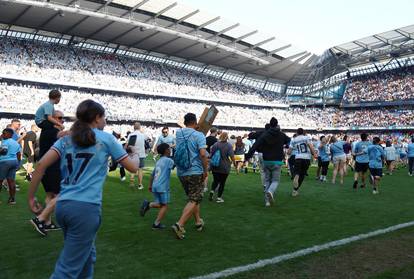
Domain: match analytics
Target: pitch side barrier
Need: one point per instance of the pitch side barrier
(48, 84)
(158, 123)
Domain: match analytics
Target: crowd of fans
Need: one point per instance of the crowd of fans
(66, 64)
(374, 118)
(121, 107)
(387, 86)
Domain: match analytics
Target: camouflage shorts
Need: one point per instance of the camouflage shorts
(193, 186)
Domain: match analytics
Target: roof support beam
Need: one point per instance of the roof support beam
(192, 31)
(268, 54)
(262, 42)
(169, 7)
(171, 25)
(209, 38)
(384, 40)
(302, 56)
(14, 20)
(405, 34)
(232, 42)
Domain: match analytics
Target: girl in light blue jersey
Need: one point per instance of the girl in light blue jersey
(338, 159)
(84, 155)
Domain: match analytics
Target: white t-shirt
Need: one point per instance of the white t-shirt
(247, 145)
(136, 140)
(300, 145)
(390, 153)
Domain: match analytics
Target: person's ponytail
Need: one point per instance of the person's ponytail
(82, 134)
(86, 113)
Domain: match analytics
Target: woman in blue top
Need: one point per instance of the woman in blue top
(324, 154)
(84, 156)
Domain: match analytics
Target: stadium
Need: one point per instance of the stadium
(155, 69)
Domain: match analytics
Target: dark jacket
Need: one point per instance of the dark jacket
(270, 143)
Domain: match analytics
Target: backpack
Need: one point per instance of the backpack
(216, 158)
(182, 157)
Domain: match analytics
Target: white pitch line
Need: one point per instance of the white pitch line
(300, 253)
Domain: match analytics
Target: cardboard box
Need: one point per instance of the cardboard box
(207, 118)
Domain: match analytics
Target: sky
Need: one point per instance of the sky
(313, 25)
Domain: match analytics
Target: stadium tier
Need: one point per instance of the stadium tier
(153, 92)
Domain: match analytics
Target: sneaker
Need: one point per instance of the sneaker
(269, 197)
(144, 207)
(28, 177)
(363, 185)
(11, 201)
(219, 200)
(39, 226)
(205, 189)
(410, 174)
(179, 232)
(355, 185)
(17, 188)
(267, 204)
(140, 187)
(199, 227)
(375, 192)
(295, 193)
(158, 227)
(123, 178)
(211, 195)
(52, 227)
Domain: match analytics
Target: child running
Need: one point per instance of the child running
(159, 185)
(84, 155)
(376, 158)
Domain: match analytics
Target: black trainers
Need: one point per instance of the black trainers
(39, 226)
(52, 227)
(355, 184)
(363, 185)
(158, 227)
(144, 207)
(11, 201)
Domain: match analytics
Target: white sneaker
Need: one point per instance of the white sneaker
(267, 204)
(295, 193)
(375, 192)
(123, 178)
(140, 187)
(269, 197)
(219, 200)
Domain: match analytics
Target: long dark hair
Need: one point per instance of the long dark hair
(86, 113)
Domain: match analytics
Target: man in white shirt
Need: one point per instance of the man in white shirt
(135, 147)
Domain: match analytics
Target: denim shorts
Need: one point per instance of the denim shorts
(8, 169)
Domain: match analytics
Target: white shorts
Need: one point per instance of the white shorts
(134, 158)
(338, 159)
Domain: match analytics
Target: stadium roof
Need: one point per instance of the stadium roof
(375, 50)
(160, 27)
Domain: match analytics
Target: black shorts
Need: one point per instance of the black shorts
(30, 158)
(361, 167)
(51, 180)
(301, 166)
(376, 172)
(319, 162)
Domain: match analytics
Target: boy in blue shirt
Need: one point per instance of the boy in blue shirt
(44, 114)
(10, 156)
(360, 151)
(159, 185)
(410, 154)
(376, 157)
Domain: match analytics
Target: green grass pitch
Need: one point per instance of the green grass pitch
(239, 231)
